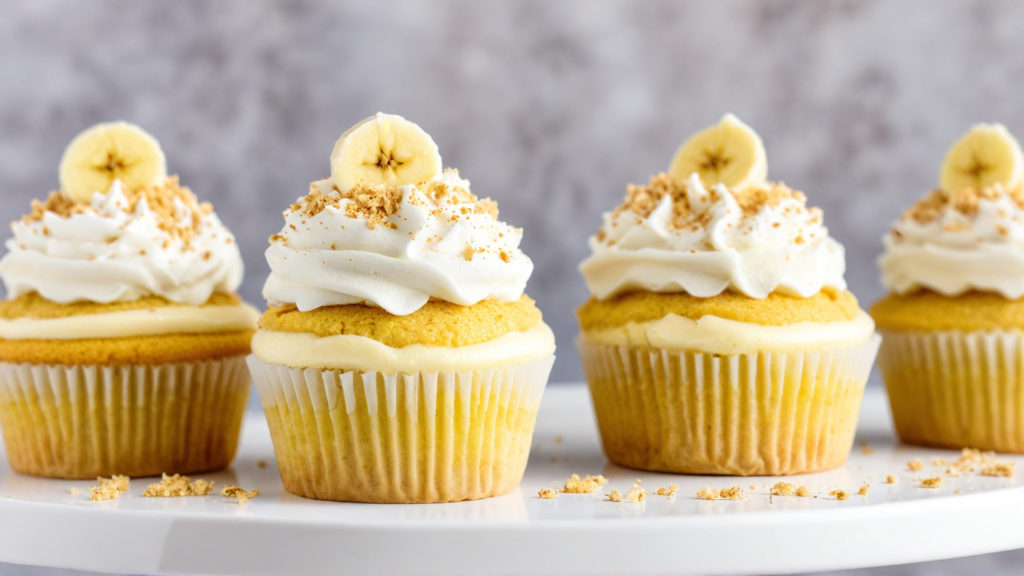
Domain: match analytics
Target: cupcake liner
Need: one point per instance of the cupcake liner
(956, 389)
(361, 436)
(136, 420)
(749, 414)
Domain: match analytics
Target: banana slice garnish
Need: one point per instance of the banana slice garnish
(728, 153)
(985, 156)
(384, 149)
(107, 152)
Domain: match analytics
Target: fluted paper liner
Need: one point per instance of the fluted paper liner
(136, 420)
(748, 414)
(956, 389)
(359, 436)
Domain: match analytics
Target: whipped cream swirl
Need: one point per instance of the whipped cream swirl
(395, 251)
(120, 247)
(952, 245)
(703, 242)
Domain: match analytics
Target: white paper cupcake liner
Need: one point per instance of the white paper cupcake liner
(137, 420)
(372, 437)
(956, 389)
(749, 414)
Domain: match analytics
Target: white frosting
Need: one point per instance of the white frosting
(958, 252)
(784, 248)
(334, 259)
(714, 335)
(107, 254)
(142, 322)
(347, 352)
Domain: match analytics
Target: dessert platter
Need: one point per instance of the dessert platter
(726, 425)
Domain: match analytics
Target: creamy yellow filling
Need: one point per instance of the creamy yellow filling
(127, 323)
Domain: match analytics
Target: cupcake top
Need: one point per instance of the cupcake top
(120, 229)
(968, 234)
(714, 223)
(391, 229)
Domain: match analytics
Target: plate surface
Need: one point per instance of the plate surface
(42, 523)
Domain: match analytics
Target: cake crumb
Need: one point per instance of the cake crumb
(708, 493)
(177, 486)
(803, 492)
(74, 491)
(863, 491)
(957, 491)
(636, 494)
(614, 495)
(588, 485)
(734, 493)
(236, 492)
(782, 489)
(890, 479)
(670, 491)
(548, 493)
(840, 494)
(109, 488)
(915, 465)
(261, 463)
(999, 469)
(935, 482)
(866, 451)
(939, 462)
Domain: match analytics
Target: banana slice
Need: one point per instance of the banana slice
(988, 154)
(384, 149)
(107, 152)
(729, 153)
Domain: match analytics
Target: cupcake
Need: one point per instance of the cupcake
(399, 359)
(953, 357)
(720, 337)
(122, 340)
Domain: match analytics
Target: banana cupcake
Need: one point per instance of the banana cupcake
(953, 357)
(720, 337)
(399, 360)
(122, 340)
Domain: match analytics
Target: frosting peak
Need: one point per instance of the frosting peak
(672, 236)
(122, 245)
(394, 247)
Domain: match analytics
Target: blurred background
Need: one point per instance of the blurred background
(549, 107)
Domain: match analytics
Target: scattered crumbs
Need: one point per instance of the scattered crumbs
(74, 491)
(939, 462)
(588, 485)
(558, 439)
(890, 479)
(707, 493)
(236, 492)
(176, 486)
(866, 451)
(636, 494)
(751, 486)
(931, 482)
(957, 491)
(614, 495)
(670, 491)
(261, 463)
(915, 465)
(109, 488)
(840, 494)
(783, 489)
(803, 492)
(734, 493)
(548, 493)
(999, 469)
(863, 491)
(965, 201)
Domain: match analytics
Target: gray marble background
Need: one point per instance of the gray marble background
(549, 107)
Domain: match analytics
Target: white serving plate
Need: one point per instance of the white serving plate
(43, 524)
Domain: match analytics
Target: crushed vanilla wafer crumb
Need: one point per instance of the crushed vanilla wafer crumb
(965, 201)
(866, 451)
(957, 491)
(636, 494)
(588, 485)
(890, 479)
(734, 493)
(109, 488)
(261, 463)
(803, 492)
(999, 469)
(915, 465)
(74, 491)
(236, 492)
(548, 493)
(708, 493)
(176, 486)
(939, 462)
(782, 489)
(935, 482)
(840, 494)
(614, 495)
(863, 491)
(670, 491)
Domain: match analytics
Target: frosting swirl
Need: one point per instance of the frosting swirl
(671, 236)
(953, 243)
(394, 247)
(122, 245)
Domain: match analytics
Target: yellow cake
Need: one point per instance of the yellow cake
(720, 337)
(953, 318)
(399, 360)
(122, 341)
